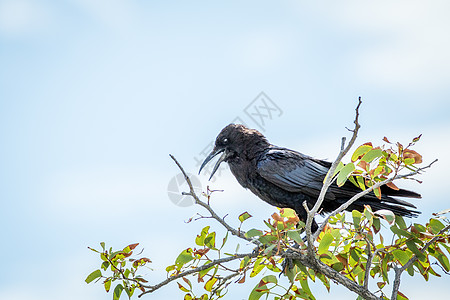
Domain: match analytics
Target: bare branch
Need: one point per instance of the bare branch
(197, 200)
(329, 179)
(370, 256)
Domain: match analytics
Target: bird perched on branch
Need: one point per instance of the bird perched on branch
(287, 178)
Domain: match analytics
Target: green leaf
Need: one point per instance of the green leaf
(325, 243)
(129, 291)
(199, 240)
(107, 285)
(244, 262)
(253, 232)
(210, 240)
(270, 279)
(409, 161)
(209, 284)
(352, 180)
(412, 246)
(401, 232)
(360, 151)
(117, 292)
(361, 183)
(256, 269)
(105, 265)
(372, 154)
(295, 235)
(400, 222)
(269, 249)
(402, 256)
(244, 216)
(184, 257)
(94, 275)
(338, 168)
(436, 226)
(181, 287)
(356, 215)
(266, 239)
(103, 256)
(224, 240)
(305, 287)
(258, 292)
(439, 255)
(287, 213)
(344, 173)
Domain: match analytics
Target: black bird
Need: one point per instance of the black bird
(286, 178)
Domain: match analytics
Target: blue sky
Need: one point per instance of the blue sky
(94, 95)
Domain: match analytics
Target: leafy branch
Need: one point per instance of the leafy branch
(348, 252)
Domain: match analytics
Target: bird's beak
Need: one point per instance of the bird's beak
(211, 156)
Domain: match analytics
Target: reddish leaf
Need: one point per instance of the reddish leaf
(127, 254)
(417, 138)
(342, 259)
(386, 140)
(132, 246)
(201, 252)
(242, 280)
(277, 218)
(413, 154)
(381, 284)
(261, 283)
(392, 186)
(402, 296)
(293, 220)
(363, 165)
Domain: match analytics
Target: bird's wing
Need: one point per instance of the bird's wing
(293, 171)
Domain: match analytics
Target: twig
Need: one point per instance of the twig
(329, 180)
(399, 271)
(152, 288)
(332, 274)
(365, 192)
(192, 193)
(370, 256)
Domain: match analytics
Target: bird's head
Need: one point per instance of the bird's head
(233, 142)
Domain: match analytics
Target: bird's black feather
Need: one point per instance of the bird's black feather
(287, 178)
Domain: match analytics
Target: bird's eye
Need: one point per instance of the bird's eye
(225, 141)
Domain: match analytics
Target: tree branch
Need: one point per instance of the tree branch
(399, 271)
(329, 179)
(152, 288)
(197, 200)
(318, 266)
(365, 192)
(370, 256)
